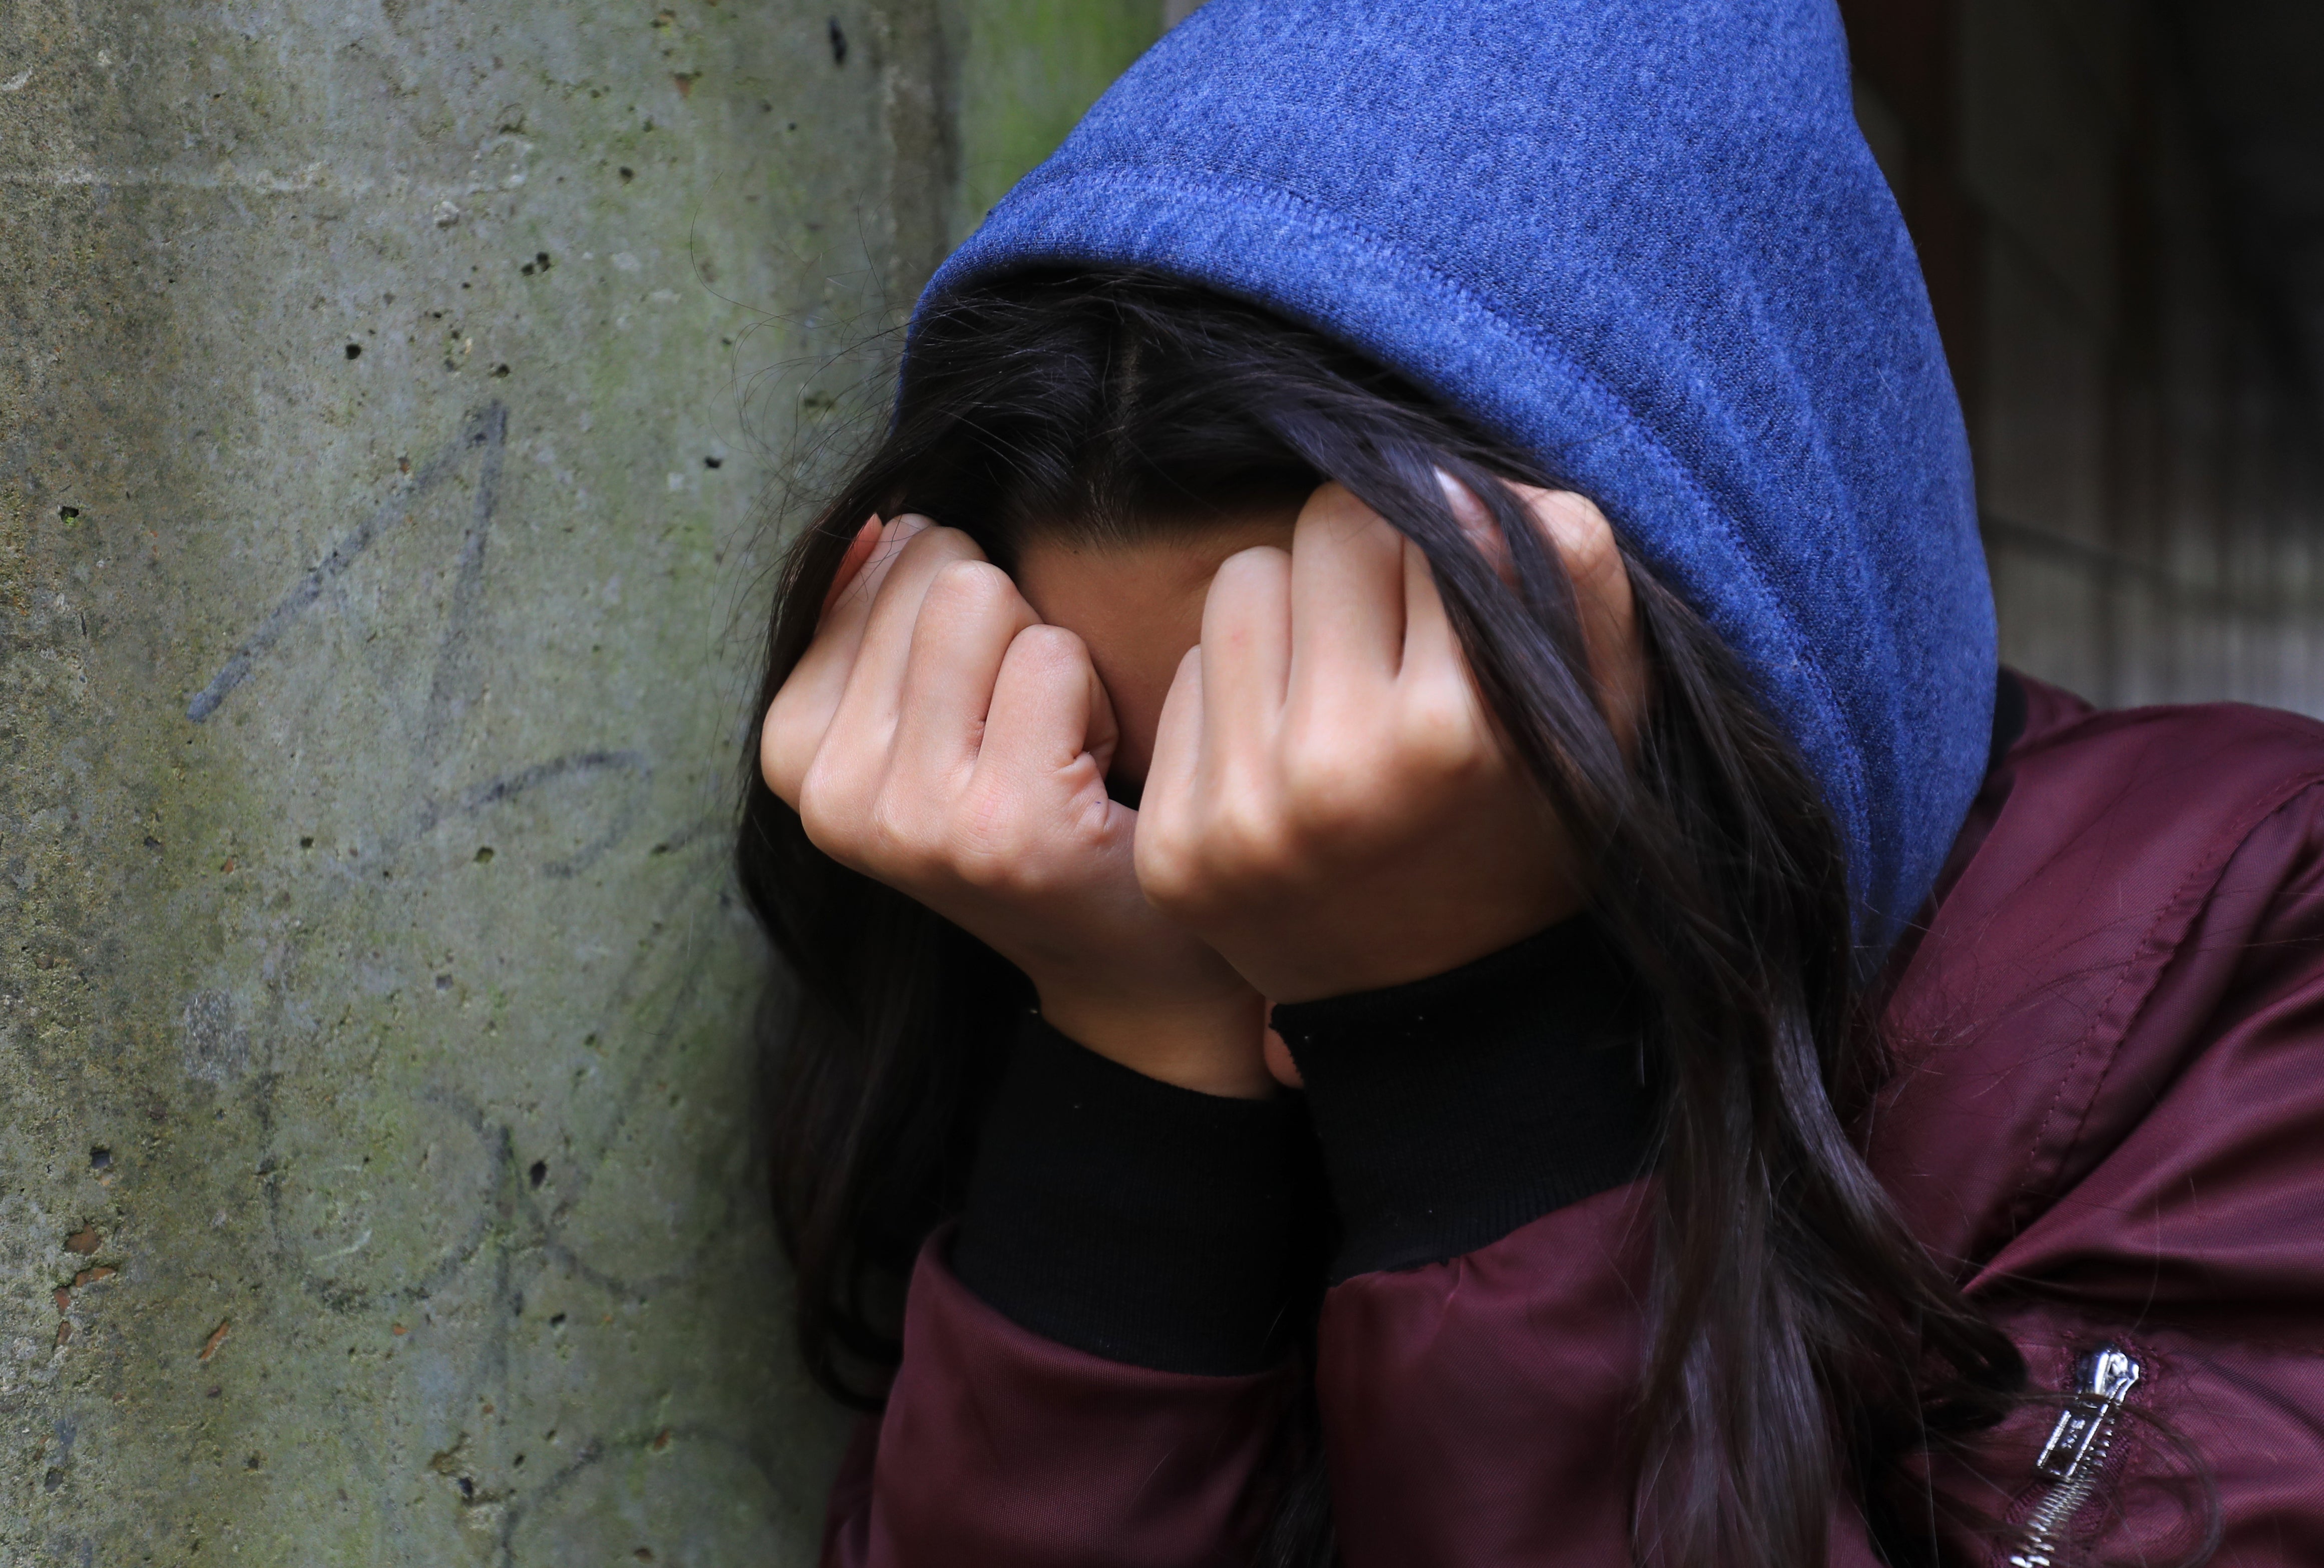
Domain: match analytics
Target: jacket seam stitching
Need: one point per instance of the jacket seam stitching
(2183, 900)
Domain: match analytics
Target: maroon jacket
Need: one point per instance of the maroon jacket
(2109, 1116)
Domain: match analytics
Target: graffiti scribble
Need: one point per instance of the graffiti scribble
(486, 428)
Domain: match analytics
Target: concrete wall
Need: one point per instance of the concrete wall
(388, 391)
(2151, 456)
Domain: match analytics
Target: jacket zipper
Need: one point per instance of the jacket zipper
(2077, 1451)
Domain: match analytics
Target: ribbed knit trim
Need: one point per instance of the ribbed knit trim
(1453, 1110)
(1138, 1220)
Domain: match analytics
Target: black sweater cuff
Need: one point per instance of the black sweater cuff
(1453, 1110)
(1138, 1220)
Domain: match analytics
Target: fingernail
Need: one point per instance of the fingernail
(1458, 496)
(852, 563)
(1484, 533)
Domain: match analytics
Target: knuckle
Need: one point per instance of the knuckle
(1251, 580)
(789, 739)
(991, 843)
(1168, 873)
(1334, 782)
(1330, 814)
(968, 576)
(989, 862)
(816, 822)
(945, 543)
(1251, 841)
(1047, 647)
(1322, 781)
(829, 824)
(977, 864)
(967, 590)
(1333, 504)
(897, 841)
(1441, 740)
(783, 768)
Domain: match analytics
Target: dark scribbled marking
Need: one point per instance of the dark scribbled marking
(487, 428)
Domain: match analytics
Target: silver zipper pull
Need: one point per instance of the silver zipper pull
(2108, 1377)
(2076, 1452)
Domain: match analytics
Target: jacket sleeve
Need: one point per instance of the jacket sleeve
(1095, 1356)
(1487, 1136)
(1485, 1133)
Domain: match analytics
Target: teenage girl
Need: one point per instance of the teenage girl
(1424, 932)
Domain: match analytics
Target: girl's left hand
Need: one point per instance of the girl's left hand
(1331, 805)
(937, 738)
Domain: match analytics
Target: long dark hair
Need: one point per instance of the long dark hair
(1803, 1341)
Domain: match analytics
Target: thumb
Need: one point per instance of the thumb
(1163, 808)
(1101, 729)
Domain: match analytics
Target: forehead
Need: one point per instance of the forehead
(1113, 585)
(1137, 606)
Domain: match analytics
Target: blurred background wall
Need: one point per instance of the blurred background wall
(392, 394)
(2120, 209)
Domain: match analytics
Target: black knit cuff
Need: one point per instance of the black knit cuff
(1138, 1220)
(1453, 1110)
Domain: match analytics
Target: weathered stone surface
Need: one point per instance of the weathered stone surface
(388, 397)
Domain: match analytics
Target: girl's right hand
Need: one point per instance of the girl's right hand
(1333, 805)
(937, 737)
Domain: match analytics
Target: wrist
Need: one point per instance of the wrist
(1139, 1221)
(1372, 938)
(1453, 1110)
(1211, 1044)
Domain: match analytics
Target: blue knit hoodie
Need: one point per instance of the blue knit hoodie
(1645, 240)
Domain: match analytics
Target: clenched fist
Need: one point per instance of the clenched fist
(1331, 805)
(937, 737)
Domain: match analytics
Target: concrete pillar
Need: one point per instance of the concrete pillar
(388, 390)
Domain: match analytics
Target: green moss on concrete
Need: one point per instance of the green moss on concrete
(1028, 70)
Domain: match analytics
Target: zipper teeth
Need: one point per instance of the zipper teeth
(2111, 1376)
(2062, 1501)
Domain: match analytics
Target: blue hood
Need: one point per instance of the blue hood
(1645, 240)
